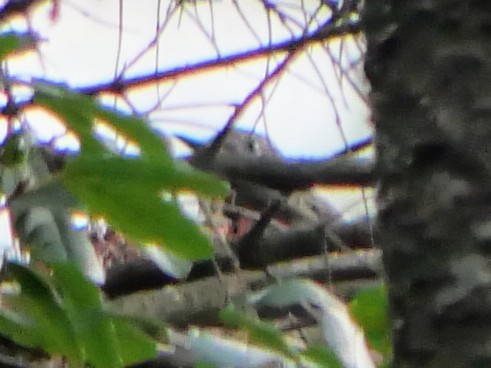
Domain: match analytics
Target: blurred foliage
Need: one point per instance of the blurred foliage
(369, 308)
(65, 316)
(269, 337)
(321, 357)
(127, 191)
(261, 333)
(63, 313)
(13, 150)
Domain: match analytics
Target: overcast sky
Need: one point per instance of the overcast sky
(81, 48)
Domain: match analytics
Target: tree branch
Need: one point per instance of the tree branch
(123, 84)
(14, 7)
(274, 246)
(287, 176)
(199, 301)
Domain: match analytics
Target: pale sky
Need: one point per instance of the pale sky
(82, 43)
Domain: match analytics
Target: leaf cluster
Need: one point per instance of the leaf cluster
(65, 317)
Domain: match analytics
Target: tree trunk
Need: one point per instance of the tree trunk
(429, 63)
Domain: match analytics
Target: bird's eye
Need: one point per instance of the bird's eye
(252, 145)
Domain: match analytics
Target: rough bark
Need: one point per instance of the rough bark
(429, 63)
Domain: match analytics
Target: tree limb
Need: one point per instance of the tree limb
(123, 84)
(199, 301)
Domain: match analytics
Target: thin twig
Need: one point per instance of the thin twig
(207, 65)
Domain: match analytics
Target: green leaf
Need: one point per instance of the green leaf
(261, 333)
(8, 44)
(126, 192)
(154, 174)
(204, 365)
(78, 247)
(186, 177)
(134, 345)
(77, 111)
(43, 221)
(369, 308)
(143, 215)
(13, 42)
(80, 112)
(83, 304)
(321, 357)
(28, 331)
(151, 145)
(46, 322)
(18, 328)
(37, 227)
(13, 150)
(51, 194)
(33, 285)
(73, 323)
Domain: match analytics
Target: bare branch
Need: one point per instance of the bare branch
(14, 7)
(287, 176)
(208, 154)
(199, 301)
(122, 84)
